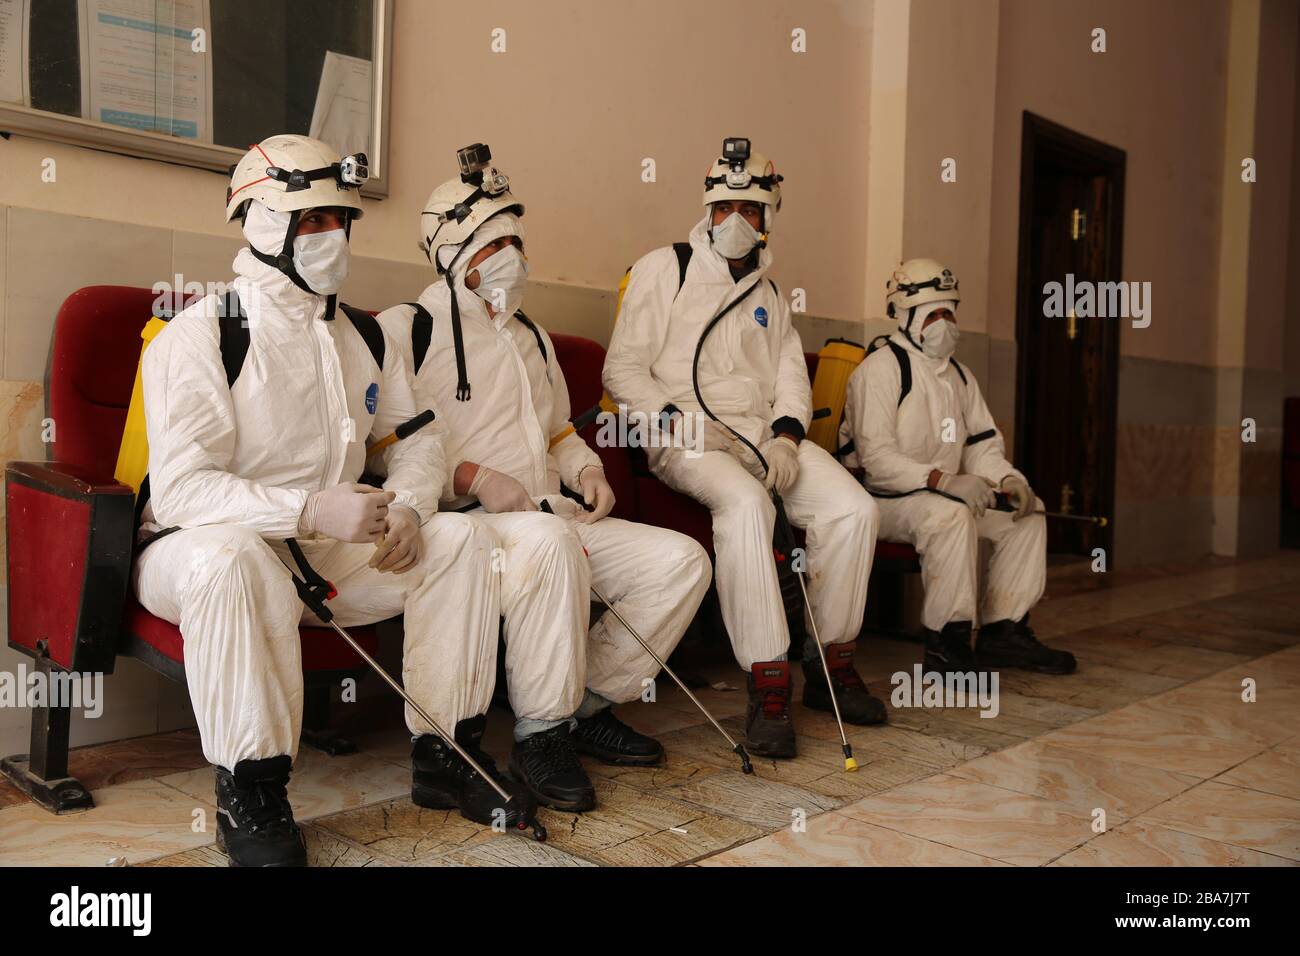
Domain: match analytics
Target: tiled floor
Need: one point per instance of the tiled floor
(1176, 743)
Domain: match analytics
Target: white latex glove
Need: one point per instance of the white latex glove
(398, 548)
(975, 491)
(1017, 489)
(346, 512)
(707, 435)
(498, 492)
(596, 492)
(782, 454)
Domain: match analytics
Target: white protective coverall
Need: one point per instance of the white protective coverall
(519, 400)
(752, 373)
(899, 445)
(234, 466)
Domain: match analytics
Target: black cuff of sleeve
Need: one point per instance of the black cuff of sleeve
(788, 426)
(669, 411)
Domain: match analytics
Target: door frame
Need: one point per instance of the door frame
(1075, 152)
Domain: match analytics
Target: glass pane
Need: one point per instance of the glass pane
(253, 68)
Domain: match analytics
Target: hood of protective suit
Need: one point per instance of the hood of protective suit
(271, 287)
(320, 259)
(458, 257)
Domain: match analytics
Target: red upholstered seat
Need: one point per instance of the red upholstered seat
(582, 361)
(93, 362)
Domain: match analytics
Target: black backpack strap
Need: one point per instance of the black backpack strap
(233, 325)
(368, 326)
(537, 334)
(960, 373)
(683, 250)
(874, 344)
(421, 333)
(904, 370)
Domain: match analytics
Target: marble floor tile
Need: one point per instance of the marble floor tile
(1096, 687)
(510, 852)
(323, 850)
(890, 740)
(10, 796)
(1076, 779)
(138, 820)
(401, 833)
(658, 718)
(1201, 624)
(632, 828)
(1177, 741)
(320, 784)
(1180, 661)
(834, 839)
(1145, 844)
(1245, 818)
(1272, 717)
(721, 703)
(137, 758)
(762, 803)
(1015, 828)
(1274, 771)
(990, 733)
(677, 768)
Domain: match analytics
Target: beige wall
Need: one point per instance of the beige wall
(585, 92)
(1157, 93)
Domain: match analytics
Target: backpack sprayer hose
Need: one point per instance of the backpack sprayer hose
(782, 520)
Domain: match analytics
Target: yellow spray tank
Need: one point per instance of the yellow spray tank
(835, 363)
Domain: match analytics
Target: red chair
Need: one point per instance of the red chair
(70, 535)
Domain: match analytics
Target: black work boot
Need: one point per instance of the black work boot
(1010, 643)
(254, 820)
(442, 780)
(608, 739)
(857, 706)
(546, 764)
(767, 718)
(949, 651)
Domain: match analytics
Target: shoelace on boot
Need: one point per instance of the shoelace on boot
(556, 752)
(776, 703)
(606, 729)
(264, 806)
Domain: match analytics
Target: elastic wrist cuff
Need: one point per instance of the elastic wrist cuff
(790, 427)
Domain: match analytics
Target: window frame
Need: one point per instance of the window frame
(91, 134)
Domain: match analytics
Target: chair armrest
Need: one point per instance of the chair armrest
(69, 541)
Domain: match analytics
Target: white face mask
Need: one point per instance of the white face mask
(321, 259)
(940, 338)
(502, 278)
(734, 237)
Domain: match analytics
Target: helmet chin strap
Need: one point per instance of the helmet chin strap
(284, 261)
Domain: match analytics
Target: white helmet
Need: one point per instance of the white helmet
(459, 206)
(290, 173)
(916, 282)
(740, 175)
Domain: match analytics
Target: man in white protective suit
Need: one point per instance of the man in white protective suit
(705, 331)
(933, 459)
(493, 375)
(249, 451)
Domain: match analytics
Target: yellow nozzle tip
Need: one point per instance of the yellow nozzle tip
(850, 765)
(1104, 522)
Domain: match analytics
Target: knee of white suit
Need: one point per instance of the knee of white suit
(747, 503)
(537, 546)
(948, 519)
(455, 535)
(240, 565)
